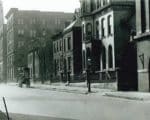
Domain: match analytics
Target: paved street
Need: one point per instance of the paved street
(56, 105)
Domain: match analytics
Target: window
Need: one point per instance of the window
(98, 4)
(102, 27)
(69, 63)
(64, 45)
(110, 56)
(57, 47)
(143, 16)
(97, 30)
(109, 25)
(33, 33)
(104, 2)
(20, 44)
(33, 21)
(20, 32)
(88, 52)
(69, 43)
(60, 45)
(88, 29)
(20, 21)
(104, 58)
(83, 31)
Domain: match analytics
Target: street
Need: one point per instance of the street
(55, 105)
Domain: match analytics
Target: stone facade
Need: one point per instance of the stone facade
(142, 39)
(106, 23)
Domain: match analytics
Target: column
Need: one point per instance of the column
(138, 17)
(147, 9)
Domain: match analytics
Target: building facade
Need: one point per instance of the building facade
(142, 39)
(3, 47)
(3, 54)
(106, 26)
(67, 47)
(27, 34)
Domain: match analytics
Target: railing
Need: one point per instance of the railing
(108, 75)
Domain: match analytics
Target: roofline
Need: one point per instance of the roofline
(16, 9)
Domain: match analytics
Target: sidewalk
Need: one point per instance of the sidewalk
(129, 95)
(80, 88)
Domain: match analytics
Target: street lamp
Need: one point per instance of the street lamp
(88, 74)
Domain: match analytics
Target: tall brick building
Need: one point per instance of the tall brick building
(3, 47)
(142, 39)
(106, 26)
(27, 33)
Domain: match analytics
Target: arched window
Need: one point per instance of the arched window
(102, 28)
(110, 56)
(104, 57)
(109, 25)
(88, 29)
(97, 29)
(88, 52)
(83, 32)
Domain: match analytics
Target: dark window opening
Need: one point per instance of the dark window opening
(97, 30)
(104, 58)
(110, 56)
(109, 25)
(98, 4)
(64, 45)
(69, 43)
(102, 28)
(143, 16)
(69, 63)
(89, 29)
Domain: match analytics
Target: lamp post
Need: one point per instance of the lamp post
(88, 74)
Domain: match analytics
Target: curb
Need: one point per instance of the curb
(124, 97)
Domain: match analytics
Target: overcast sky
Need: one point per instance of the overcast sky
(43, 5)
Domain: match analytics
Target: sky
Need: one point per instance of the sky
(43, 5)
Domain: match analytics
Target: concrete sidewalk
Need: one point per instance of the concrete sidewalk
(80, 88)
(70, 88)
(129, 95)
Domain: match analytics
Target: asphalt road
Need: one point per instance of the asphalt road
(40, 104)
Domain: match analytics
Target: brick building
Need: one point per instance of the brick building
(27, 34)
(67, 47)
(3, 47)
(106, 26)
(3, 54)
(142, 39)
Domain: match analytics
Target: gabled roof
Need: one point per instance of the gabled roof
(75, 23)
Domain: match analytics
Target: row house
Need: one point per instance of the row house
(67, 47)
(142, 39)
(27, 34)
(106, 26)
